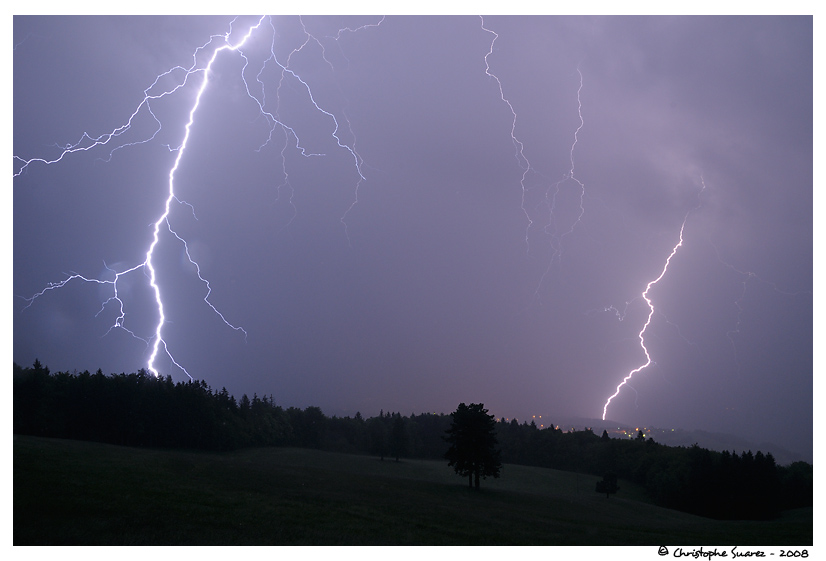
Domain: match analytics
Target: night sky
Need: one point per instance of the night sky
(411, 212)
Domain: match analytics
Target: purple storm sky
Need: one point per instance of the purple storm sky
(524, 179)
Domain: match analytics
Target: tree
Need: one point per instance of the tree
(473, 448)
(377, 436)
(398, 436)
(608, 485)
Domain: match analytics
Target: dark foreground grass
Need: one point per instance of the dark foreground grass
(70, 492)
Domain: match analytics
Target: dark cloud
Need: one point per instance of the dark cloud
(440, 277)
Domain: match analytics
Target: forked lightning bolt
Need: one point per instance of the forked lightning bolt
(549, 201)
(556, 240)
(650, 304)
(88, 142)
(519, 148)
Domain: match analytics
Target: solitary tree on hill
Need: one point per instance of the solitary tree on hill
(473, 448)
(608, 485)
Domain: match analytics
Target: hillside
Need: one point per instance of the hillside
(717, 441)
(72, 492)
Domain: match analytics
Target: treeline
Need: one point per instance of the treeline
(723, 485)
(141, 410)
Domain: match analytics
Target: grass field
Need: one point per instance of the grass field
(81, 493)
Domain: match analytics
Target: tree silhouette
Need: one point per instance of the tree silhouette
(608, 485)
(378, 436)
(398, 436)
(473, 445)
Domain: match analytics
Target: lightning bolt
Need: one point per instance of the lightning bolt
(180, 77)
(650, 304)
(747, 276)
(549, 201)
(556, 241)
(338, 35)
(357, 159)
(164, 217)
(519, 148)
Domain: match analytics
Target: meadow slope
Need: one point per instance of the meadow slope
(82, 493)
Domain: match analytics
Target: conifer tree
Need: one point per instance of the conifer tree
(473, 448)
